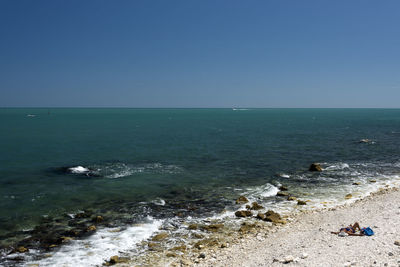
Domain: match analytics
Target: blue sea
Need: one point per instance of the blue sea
(143, 170)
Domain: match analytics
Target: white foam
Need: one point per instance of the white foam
(99, 247)
(264, 191)
(337, 166)
(159, 201)
(78, 169)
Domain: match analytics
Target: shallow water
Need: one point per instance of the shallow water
(165, 163)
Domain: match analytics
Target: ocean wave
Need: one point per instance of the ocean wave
(99, 247)
(337, 166)
(118, 169)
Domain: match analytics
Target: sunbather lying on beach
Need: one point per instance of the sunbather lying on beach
(351, 230)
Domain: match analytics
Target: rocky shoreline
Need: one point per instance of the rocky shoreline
(302, 239)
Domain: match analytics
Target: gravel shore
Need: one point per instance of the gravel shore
(307, 241)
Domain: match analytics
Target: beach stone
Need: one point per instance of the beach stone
(282, 194)
(22, 249)
(348, 196)
(256, 206)
(243, 213)
(202, 256)
(160, 236)
(153, 246)
(397, 243)
(315, 167)
(242, 200)
(170, 255)
(213, 227)
(209, 242)
(271, 216)
(115, 259)
(301, 202)
(193, 226)
(283, 188)
(181, 248)
(261, 216)
(247, 228)
(197, 235)
(304, 255)
(291, 198)
(288, 259)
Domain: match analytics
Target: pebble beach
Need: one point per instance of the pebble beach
(307, 240)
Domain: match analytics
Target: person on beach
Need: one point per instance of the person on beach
(351, 230)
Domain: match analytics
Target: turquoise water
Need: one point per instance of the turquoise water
(195, 156)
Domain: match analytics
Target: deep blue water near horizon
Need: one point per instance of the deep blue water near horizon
(172, 154)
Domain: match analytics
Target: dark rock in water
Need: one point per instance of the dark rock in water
(356, 183)
(348, 196)
(243, 213)
(271, 216)
(291, 198)
(315, 167)
(283, 188)
(248, 207)
(256, 206)
(301, 202)
(21, 249)
(282, 194)
(98, 219)
(242, 200)
(91, 228)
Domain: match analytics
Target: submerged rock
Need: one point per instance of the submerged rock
(242, 200)
(243, 213)
(315, 167)
(356, 183)
(291, 198)
(372, 181)
(348, 196)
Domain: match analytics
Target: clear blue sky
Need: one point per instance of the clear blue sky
(199, 53)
